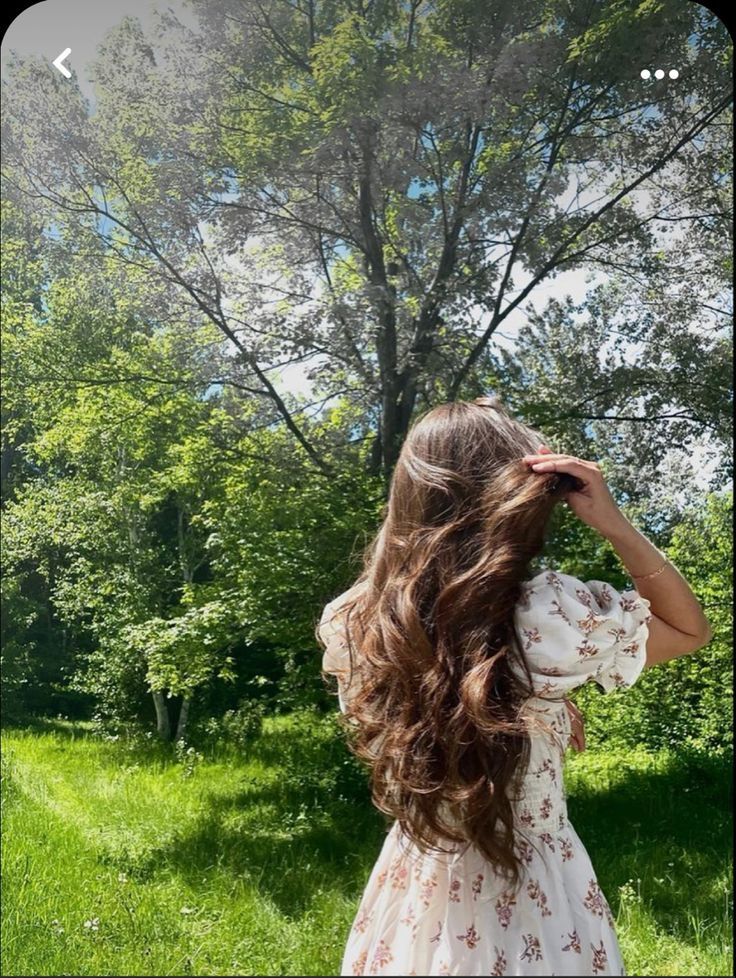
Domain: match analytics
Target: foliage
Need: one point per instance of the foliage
(368, 196)
(687, 702)
(374, 191)
(236, 727)
(573, 372)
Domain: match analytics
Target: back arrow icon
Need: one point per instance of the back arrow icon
(58, 63)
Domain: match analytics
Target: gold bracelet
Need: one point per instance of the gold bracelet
(645, 577)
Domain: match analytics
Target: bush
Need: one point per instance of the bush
(235, 727)
(687, 702)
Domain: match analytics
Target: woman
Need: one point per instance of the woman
(453, 668)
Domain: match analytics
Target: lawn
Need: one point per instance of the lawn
(119, 859)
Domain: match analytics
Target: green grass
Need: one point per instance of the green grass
(119, 860)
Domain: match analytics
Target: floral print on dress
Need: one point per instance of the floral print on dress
(524, 851)
(410, 916)
(362, 920)
(471, 937)
(532, 948)
(504, 909)
(547, 767)
(585, 596)
(526, 818)
(596, 902)
(477, 885)
(548, 839)
(591, 619)
(604, 595)
(499, 963)
(600, 958)
(358, 967)
(399, 874)
(586, 649)
(557, 609)
(590, 622)
(427, 914)
(429, 885)
(539, 897)
(531, 635)
(553, 580)
(381, 957)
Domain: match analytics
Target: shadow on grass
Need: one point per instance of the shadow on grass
(670, 828)
(287, 860)
(72, 729)
(302, 735)
(109, 751)
(310, 825)
(669, 832)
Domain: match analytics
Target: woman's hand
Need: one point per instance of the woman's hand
(593, 503)
(577, 727)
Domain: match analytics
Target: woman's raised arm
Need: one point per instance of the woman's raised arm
(678, 625)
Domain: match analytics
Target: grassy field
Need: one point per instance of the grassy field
(121, 860)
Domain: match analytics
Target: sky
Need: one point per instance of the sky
(48, 28)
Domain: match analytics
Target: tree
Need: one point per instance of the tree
(586, 373)
(372, 192)
(101, 529)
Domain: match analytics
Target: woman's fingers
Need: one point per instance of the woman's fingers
(590, 500)
(561, 463)
(578, 737)
(577, 727)
(556, 457)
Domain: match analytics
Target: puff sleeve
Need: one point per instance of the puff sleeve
(336, 658)
(573, 632)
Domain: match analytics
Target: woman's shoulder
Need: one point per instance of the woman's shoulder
(330, 624)
(336, 604)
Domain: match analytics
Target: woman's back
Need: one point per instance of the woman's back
(449, 913)
(461, 669)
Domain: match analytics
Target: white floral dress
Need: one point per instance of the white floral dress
(449, 914)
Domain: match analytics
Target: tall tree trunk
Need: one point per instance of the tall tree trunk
(376, 453)
(183, 717)
(8, 454)
(163, 725)
(187, 572)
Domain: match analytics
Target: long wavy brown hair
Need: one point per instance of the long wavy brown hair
(429, 629)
